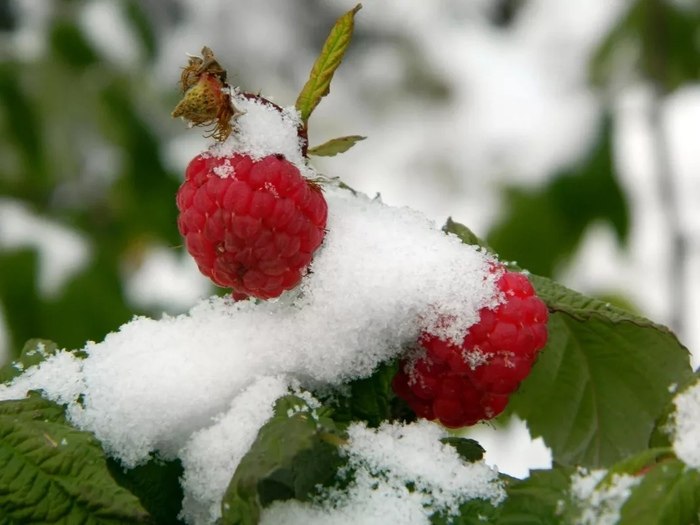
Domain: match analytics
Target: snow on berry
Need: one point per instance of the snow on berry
(382, 277)
(461, 383)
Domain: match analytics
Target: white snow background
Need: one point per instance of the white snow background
(519, 108)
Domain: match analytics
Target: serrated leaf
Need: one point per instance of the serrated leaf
(541, 228)
(292, 454)
(601, 382)
(318, 85)
(335, 146)
(668, 493)
(537, 499)
(53, 473)
(465, 234)
(469, 449)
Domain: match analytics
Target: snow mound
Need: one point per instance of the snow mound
(385, 462)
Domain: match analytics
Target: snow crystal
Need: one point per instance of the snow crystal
(600, 504)
(385, 462)
(159, 386)
(263, 130)
(212, 454)
(686, 426)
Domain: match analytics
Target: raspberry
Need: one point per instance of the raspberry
(462, 384)
(251, 226)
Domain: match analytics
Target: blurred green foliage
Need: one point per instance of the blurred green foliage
(58, 111)
(82, 138)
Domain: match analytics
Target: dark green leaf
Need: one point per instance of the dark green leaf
(370, 399)
(472, 512)
(668, 493)
(542, 228)
(33, 353)
(157, 486)
(318, 85)
(536, 500)
(335, 146)
(469, 449)
(53, 473)
(601, 382)
(293, 453)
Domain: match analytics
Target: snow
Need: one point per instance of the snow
(172, 386)
(383, 461)
(262, 130)
(685, 426)
(210, 456)
(600, 503)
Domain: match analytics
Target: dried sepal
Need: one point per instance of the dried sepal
(207, 96)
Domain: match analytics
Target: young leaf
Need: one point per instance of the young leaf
(53, 473)
(335, 146)
(465, 234)
(293, 453)
(668, 493)
(318, 85)
(601, 382)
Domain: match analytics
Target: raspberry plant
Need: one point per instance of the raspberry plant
(596, 382)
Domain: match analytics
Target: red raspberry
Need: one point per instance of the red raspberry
(463, 384)
(252, 226)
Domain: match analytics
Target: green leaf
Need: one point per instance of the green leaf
(601, 382)
(34, 352)
(293, 453)
(537, 499)
(53, 473)
(469, 449)
(318, 85)
(156, 484)
(668, 493)
(465, 234)
(472, 512)
(542, 228)
(370, 399)
(335, 146)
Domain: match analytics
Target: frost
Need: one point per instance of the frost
(401, 471)
(686, 426)
(169, 386)
(600, 504)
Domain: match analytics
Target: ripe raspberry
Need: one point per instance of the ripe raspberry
(252, 226)
(463, 384)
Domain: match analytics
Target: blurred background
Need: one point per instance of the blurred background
(564, 133)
